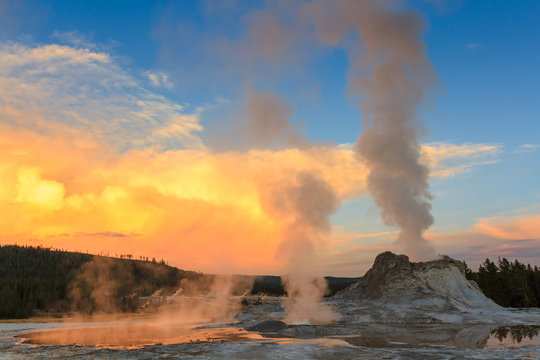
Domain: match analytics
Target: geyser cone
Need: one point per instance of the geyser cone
(438, 284)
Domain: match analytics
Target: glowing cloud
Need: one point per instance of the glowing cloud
(33, 190)
(514, 228)
(82, 93)
(91, 160)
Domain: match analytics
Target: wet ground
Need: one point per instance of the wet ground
(143, 340)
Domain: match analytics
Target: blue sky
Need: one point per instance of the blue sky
(486, 54)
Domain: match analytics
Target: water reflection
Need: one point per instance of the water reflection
(387, 336)
(528, 334)
(134, 336)
(141, 334)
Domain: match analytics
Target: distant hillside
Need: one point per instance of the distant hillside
(36, 278)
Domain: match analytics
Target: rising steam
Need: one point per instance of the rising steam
(392, 52)
(306, 203)
(389, 50)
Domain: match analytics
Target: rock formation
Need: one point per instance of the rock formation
(394, 278)
(396, 290)
(398, 296)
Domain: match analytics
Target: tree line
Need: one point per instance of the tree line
(508, 283)
(42, 280)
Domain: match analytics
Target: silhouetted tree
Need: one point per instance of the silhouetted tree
(509, 284)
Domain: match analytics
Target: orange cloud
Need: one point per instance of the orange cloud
(493, 237)
(446, 159)
(199, 209)
(516, 228)
(92, 161)
(350, 254)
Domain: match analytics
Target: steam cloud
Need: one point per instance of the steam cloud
(269, 120)
(303, 203)
(393, 53)
(105, 286)
(307, 202)
(392, 74)
(262, 122)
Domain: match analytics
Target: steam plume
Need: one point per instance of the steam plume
(262, 121)
(400, 76)
(307, 203)
(269, 119)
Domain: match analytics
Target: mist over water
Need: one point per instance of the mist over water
(308, 201)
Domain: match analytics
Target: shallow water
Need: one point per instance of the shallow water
(136, 335)
(514, 336)
(27, 340)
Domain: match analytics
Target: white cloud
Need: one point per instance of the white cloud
(473, 46)
(527, 148)
(446, 159)
(159, 79)
(73, 38)
(55, 88)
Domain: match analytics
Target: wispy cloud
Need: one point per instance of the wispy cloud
(58, 88)
(159, 79)
(505, 236)
(73, 38)
(512, 235)
(513, 228)
(527, 148)
(473, 46)
(446, 159)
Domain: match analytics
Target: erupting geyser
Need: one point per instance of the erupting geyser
(391, 51)
(401, 75)
(308, 202)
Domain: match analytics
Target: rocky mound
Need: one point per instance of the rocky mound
(395, 289)
(394, 279)
(398, 293)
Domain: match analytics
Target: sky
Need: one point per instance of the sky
(208, 133)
